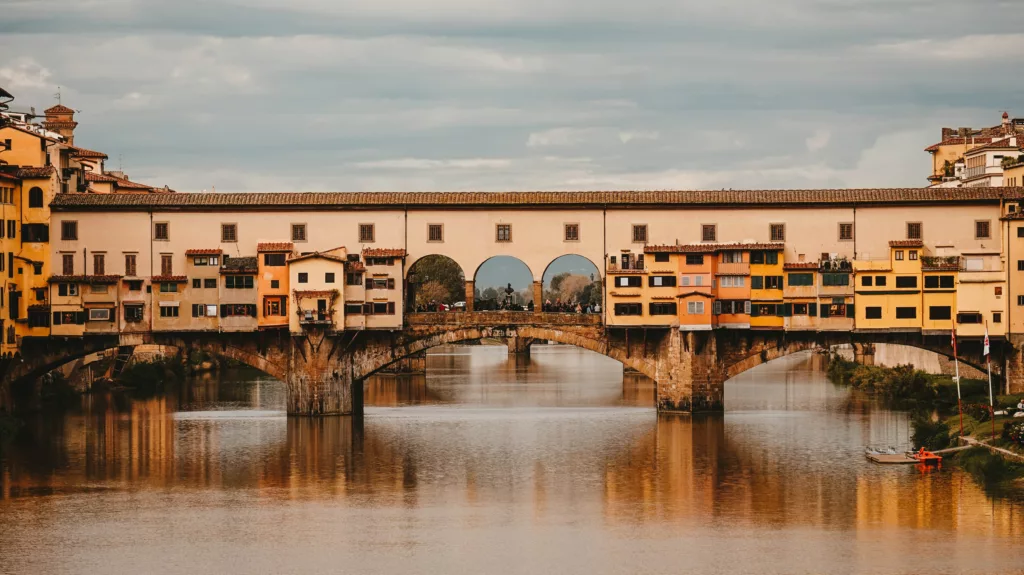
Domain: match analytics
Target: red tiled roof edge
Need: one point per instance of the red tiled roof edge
(204, 252)
(275, 247)
(170, 279)
(101, 279)
(384, 252)
(906, 244)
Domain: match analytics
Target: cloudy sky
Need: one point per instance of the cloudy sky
(267, 95)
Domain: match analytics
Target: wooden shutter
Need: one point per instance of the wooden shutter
(391, 308)
(812, 309)
(391, 283)
(369, 283)
(849, 310)
(746, 307)
(717, 308)
(825, 310)
(787, 310)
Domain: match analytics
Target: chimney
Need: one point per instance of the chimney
(1006, 119)
(61, 119)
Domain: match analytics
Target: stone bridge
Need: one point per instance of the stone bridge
(324, 370)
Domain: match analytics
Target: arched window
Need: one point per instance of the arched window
(35, 198)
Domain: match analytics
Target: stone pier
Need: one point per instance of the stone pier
(319, 376)
(519, 345)
(690, 375)
(864, 353)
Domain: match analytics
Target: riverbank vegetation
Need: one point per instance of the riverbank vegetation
(152, 376)
(989, 468)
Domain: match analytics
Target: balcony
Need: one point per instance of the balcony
(835, 265)
(310, 317)
(629, 267)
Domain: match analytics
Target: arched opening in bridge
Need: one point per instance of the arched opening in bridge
(572, 283)
(435, 283)
(503, 283)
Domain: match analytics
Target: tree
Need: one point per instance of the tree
(556, 282)
(571, 287)
(443, 271)
(489, 293)
(432, 291)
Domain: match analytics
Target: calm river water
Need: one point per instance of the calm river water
(488, 465)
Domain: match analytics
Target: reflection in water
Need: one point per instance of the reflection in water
(492, 465)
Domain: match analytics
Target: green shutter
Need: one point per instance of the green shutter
(825, 310)
(849, 310)
(754, 312)
(812, 309)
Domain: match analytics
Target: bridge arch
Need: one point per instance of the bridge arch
(580, 269)
(499, 271)
(445, 273)
(566, 335)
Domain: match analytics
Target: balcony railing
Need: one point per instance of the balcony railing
(631, 266)
(310, 317)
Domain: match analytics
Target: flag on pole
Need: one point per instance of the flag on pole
(953, 331)
(986, 342)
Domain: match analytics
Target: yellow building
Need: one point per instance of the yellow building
(272, 283)
(767, 281)
(939, 298)
(1013, 176)
(10, 195)
(800, 293)
(316, 281)
(888, 292)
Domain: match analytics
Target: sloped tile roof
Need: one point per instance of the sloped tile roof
(170, 279)
(31, 173)
(754, 198)
(94, 177)
(906, 244)
(58, 109)
(681, 249)
(800, 266)
(244, 264)
(316, 255)
(84, 153)
(275, 247)
(82, 279)
(203, 252)
(384, 253)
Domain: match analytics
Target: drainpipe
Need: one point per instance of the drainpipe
(853, 275)
(151, 294)
(1009, 296)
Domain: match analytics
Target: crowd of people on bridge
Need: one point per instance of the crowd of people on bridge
(559, 306)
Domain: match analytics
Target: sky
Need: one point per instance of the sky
(403, 95)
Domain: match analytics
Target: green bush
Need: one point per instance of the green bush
(931, 435)
(902, 381)
(987, 467)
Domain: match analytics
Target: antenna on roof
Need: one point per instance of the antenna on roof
(57, 95)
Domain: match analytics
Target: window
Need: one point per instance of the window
(912, 254)
(629, 309)
(238, 310)
(329, 277)
(37, 268)
(197, 283)
(168, 311)
(100, 314)
(732, 257)
(129, 265)
(801, 279)
(204, 310)
(503, 233)
(35, 233)
(931, 282)
(353, 279)
(765, 309)
(880, 281)
(846, 232)
(708, 233)
(366, 233)
(906, 313)
(67, 264)
(64, 290)
(905, 282)
(982, 229)
(640, 233)
(1020, 231)
(756, 282)
(274, 306)
(936, 312)
(799, 309)
(628, 281)
(662, 308)
(873, 312)
(298, 232)
(35, 198)
(229, 232)
(206, 261)
(435, 233)
(210, 283)
(695, 307)
(914, 230)
(898, 255)
(1020, 263)
(37, 318)
(661, 258)
(380, 283)
(572, 232)
(238, 282)
(69, 230)
(686, 281)
(731, 281)
(39, 292)
(168, 287)
(757, 257)
(135, 285)
(166, 264)
(273, 260)
(865, 281)
(275, 284)
(353, 309)
(661, 281)
(998, 290)
(946, 282)
(694, 259)
(969, 317)
(303, 277)
(1020, 300)
(772, 282)
(161, 231)
(777, 232)
(997, 317)
(98, 264)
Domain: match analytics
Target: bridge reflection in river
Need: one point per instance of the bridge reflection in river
(560, 456)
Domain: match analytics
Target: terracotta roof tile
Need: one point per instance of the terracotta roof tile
(384, 253)
(316, 255)
(731, 274)
(82, 279)
(800, 266)
(957, 142)
(681, 249)
(58, 109)
(1003, 144)
(315, 293)
(275, 247)
(355, 266)
(94, 177)
(170, 279)
(239, 265)
(906, 244)
(84, 153)
(765, 198)
(27, 173)
(203, 252)
(694, 292)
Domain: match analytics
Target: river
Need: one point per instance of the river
(556, 464)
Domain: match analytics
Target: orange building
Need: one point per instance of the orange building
(272, 283)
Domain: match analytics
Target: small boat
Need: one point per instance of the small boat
(926, 457)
